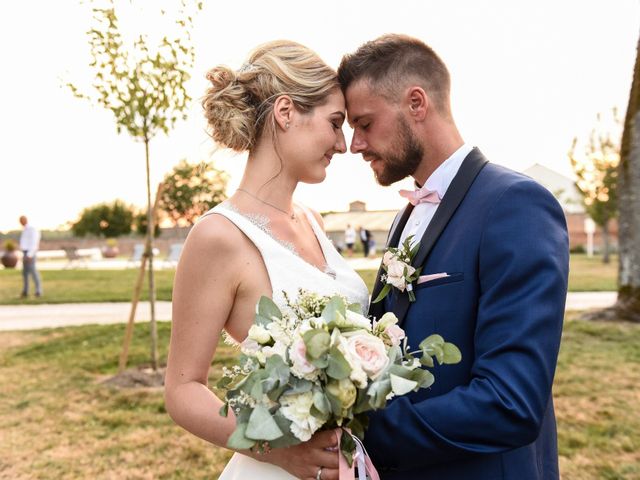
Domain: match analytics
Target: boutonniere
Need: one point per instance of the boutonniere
(399, 273)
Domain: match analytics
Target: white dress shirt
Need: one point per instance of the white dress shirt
(439, 181)
(30, 240)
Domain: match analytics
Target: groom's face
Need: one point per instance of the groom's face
(381, 134)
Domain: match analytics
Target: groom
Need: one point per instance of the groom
(494, 244)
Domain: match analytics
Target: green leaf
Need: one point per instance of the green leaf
(424, 377)
(378, 392)
(452, 354)
(433, 345)
(383, 293)
(347, 447)
(261, 425)
(238, 439)
(335, 305)
(224, 410)
(401, 386)
(317, 343)
(268, 309)
(355, 307)
(338, 366)
(277, 369)
(426, 361)
(321, 402)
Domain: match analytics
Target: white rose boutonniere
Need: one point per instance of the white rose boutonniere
(399, 272)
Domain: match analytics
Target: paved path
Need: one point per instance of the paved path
(29, 317)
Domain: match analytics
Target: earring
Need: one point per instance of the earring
(286, 125)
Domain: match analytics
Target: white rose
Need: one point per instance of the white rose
(359, 321)
(278, 348)
(259, 334)
(278, 333)
(387, 258)
(249, 347)
(371, 351)
(297, 408)
(395, 274)
(301, 367)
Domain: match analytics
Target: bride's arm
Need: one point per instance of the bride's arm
(205, 284)
(207, 279)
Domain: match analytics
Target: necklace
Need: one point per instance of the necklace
(292, 215)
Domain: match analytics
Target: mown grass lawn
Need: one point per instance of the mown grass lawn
(59, 421)
(73, 286)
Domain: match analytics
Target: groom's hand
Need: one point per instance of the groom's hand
(303, 461)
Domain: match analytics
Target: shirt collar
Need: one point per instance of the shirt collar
(442, 176)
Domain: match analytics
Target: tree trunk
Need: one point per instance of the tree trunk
(149, 255)
(606, 247)
(628, 305)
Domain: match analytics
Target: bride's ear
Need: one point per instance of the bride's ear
(283, 110)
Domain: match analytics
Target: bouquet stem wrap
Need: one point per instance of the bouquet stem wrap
(366, 470)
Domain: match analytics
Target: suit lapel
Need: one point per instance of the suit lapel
(471, 166)
(377, 309)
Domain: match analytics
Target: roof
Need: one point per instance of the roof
(373, 220)
(563, 188)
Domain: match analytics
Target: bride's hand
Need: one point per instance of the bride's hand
(304, 461)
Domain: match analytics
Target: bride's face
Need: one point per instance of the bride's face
(313, 138)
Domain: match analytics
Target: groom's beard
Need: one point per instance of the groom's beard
(403, 159)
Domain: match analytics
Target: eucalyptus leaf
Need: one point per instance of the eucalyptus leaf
(424, 377)
(321, 402)
(224, 410)
(338, 367)
(317, 343)
(268, 309)
(427, 361)
(452, 354)
(378, 392)
(261, 425)
(277, 369)
(238, 439)
(402, 386)
(335, 305)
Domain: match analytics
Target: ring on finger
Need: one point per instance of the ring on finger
(319, 474)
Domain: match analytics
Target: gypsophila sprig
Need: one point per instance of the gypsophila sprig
(318, 365)
(396, 263)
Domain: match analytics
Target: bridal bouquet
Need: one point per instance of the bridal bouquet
(321, 365)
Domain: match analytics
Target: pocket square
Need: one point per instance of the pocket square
(432, 276)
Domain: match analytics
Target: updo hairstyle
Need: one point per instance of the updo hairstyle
(239, 103)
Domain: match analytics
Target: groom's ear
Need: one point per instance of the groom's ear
(283, 109)
(418, 102)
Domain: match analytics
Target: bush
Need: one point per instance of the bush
(105, 220)
(578, 249)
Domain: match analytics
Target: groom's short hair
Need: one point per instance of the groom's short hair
(390, 62)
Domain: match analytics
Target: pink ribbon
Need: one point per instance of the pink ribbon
(365, 465)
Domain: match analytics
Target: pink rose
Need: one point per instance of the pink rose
(395, 334)
(371, 352)
(298, 354)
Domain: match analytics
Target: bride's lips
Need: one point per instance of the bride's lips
(328, 157)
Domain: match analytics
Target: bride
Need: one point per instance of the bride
(285, 107)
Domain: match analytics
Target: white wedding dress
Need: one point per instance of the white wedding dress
(289, 272)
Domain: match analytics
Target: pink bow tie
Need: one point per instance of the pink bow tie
(420, 195)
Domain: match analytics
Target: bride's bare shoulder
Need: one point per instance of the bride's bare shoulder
(216, 233)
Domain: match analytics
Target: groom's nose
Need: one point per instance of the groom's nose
(358, 145)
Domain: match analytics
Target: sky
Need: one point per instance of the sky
(527, 77)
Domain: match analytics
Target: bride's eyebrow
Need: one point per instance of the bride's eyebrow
(340, 114)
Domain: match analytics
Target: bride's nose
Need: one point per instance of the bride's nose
(341, 143)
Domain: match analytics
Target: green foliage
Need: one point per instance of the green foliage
(144, 88)
(190, 190)
(105, 220)
(140, 222)
(597, 170)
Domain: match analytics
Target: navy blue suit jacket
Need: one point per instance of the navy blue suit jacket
(504, 245)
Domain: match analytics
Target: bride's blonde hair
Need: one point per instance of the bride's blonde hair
(239, 103)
